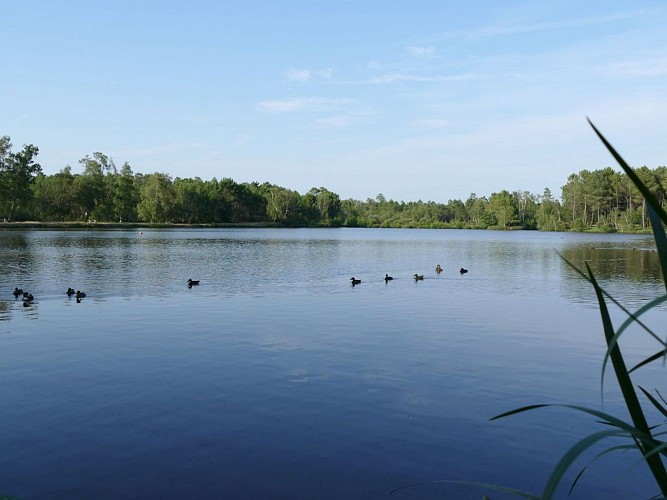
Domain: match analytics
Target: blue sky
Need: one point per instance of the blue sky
(429, 100)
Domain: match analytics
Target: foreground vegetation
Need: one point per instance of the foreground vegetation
(599, 200)
(637, 434)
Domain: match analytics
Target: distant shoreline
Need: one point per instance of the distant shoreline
(245, 225)
(126, 225)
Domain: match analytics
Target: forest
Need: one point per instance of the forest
(597, 200)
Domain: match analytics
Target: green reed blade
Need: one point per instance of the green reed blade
(650, 359)
(519, 410)
(629, 395)
(656, 213)
(576, 480)
(655, 402)
(648, 195)
(660, 241)
(572, 454)
(633, 317)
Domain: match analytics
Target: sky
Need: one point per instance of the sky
(414, 99)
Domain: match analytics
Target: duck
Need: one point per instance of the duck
(387, 278)
(419, 277)
(17, 291)
(192, 282)
(80, 294)
(28, 297)
(354, 281)
(438, 269)
(70, 291)
(463, 271)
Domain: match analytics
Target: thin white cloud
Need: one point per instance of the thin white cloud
(434, 123)
(338, 121)
(299, 75)
(304, 75)
(422, 52)
(403, 77)
(302, 104)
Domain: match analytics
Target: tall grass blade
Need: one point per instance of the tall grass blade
(519, 410)
(650, 359)
(616, 302)
(629, 395)
(655, 402)
(660, 241)
(656, 213)
(568, 459)
(646, 193)
(633, 317)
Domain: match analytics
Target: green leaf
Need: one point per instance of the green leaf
(650, 359)
(655, 402)
(518, 410)
(629, 395)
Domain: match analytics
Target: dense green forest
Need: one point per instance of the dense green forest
(601, 200)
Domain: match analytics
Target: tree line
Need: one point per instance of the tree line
(602, 200)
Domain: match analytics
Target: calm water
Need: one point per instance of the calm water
(275, 378)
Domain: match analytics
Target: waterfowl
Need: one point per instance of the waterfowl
(17, 292)
(419, 277)
(80, 295)
(438, 269)
(28, 297)
(387, 278)
(354, 281)
(192, 282)
(70, 291)
(463, 271)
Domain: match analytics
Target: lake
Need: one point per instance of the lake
(276, 378)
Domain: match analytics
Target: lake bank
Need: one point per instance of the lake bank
(142, 225)
(128, 225)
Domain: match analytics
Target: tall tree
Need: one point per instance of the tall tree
(156, 198)
(17, 174)
(502, 206)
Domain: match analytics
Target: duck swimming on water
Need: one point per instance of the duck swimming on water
(419, 277)
(354, 281)
(70, 291)
(17, 291)
(387, 278)
(192, 282)
(438, 269)
(463, 271)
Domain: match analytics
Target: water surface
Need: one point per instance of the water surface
(275, 378)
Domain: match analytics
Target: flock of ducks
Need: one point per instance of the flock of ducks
(78, 294)
(28, 298)
(25, 295)
(417, 277)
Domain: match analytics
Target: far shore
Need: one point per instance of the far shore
(169, 225)
(125, 225)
